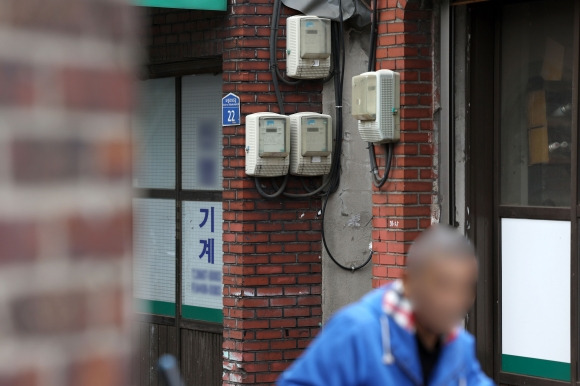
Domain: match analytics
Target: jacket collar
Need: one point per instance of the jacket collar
(400, 347)
(400, 309)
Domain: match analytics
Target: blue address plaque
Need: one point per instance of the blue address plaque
(231, 110)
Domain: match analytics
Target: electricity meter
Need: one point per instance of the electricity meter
(311, 137)
(307, 47)
(364, 97)
(267, 145)
(376, 101)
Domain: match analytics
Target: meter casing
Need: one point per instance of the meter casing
(311, 138)
(376, 103)
(307, 47)
(267, 145)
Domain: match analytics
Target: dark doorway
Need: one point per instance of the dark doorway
(521, 187)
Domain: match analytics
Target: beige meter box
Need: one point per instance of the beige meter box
(307, 47)
(376, 101)
(364, 105)
(267, 145)
(311, 138)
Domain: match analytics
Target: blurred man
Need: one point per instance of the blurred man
(405, 333)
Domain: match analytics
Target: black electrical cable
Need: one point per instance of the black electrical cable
(377, 180)
(277, 193)
(339, 61)
(330, 74)
(273, 72)
(374, 33)
(333, 181)
(306, 187)
(342, 49)
(351, 268)
(310, 193)
(339, 87)
(274, 24)
(277, 76)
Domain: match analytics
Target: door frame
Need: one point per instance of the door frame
(480, 182)
(482, 207)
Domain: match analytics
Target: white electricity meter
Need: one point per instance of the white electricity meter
(267, 145)
(376, 103)
(307, 47)
(311, 138)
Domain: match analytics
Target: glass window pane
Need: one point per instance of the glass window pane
(201, 132)
(536, 97)
(155, 134)
(154, 255)
(202, 261)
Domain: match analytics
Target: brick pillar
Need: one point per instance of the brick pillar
(65, 194)
(272, 248)
(403, 206)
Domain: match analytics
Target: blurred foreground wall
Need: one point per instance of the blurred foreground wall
(66, 69)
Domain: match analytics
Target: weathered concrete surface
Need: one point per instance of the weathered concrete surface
(348, 214)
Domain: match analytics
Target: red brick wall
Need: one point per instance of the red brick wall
(177, 35)
(65, 177)
(272, 278)
(403, 206)
(272, 270)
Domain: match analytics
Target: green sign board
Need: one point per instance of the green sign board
(211, 5)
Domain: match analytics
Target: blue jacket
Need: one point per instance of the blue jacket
(372, 343)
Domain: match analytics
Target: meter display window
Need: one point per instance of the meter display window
(272, 139)
(315, 137)
(315, 42)
(364, 97)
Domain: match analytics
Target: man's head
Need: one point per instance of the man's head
(440, 280)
